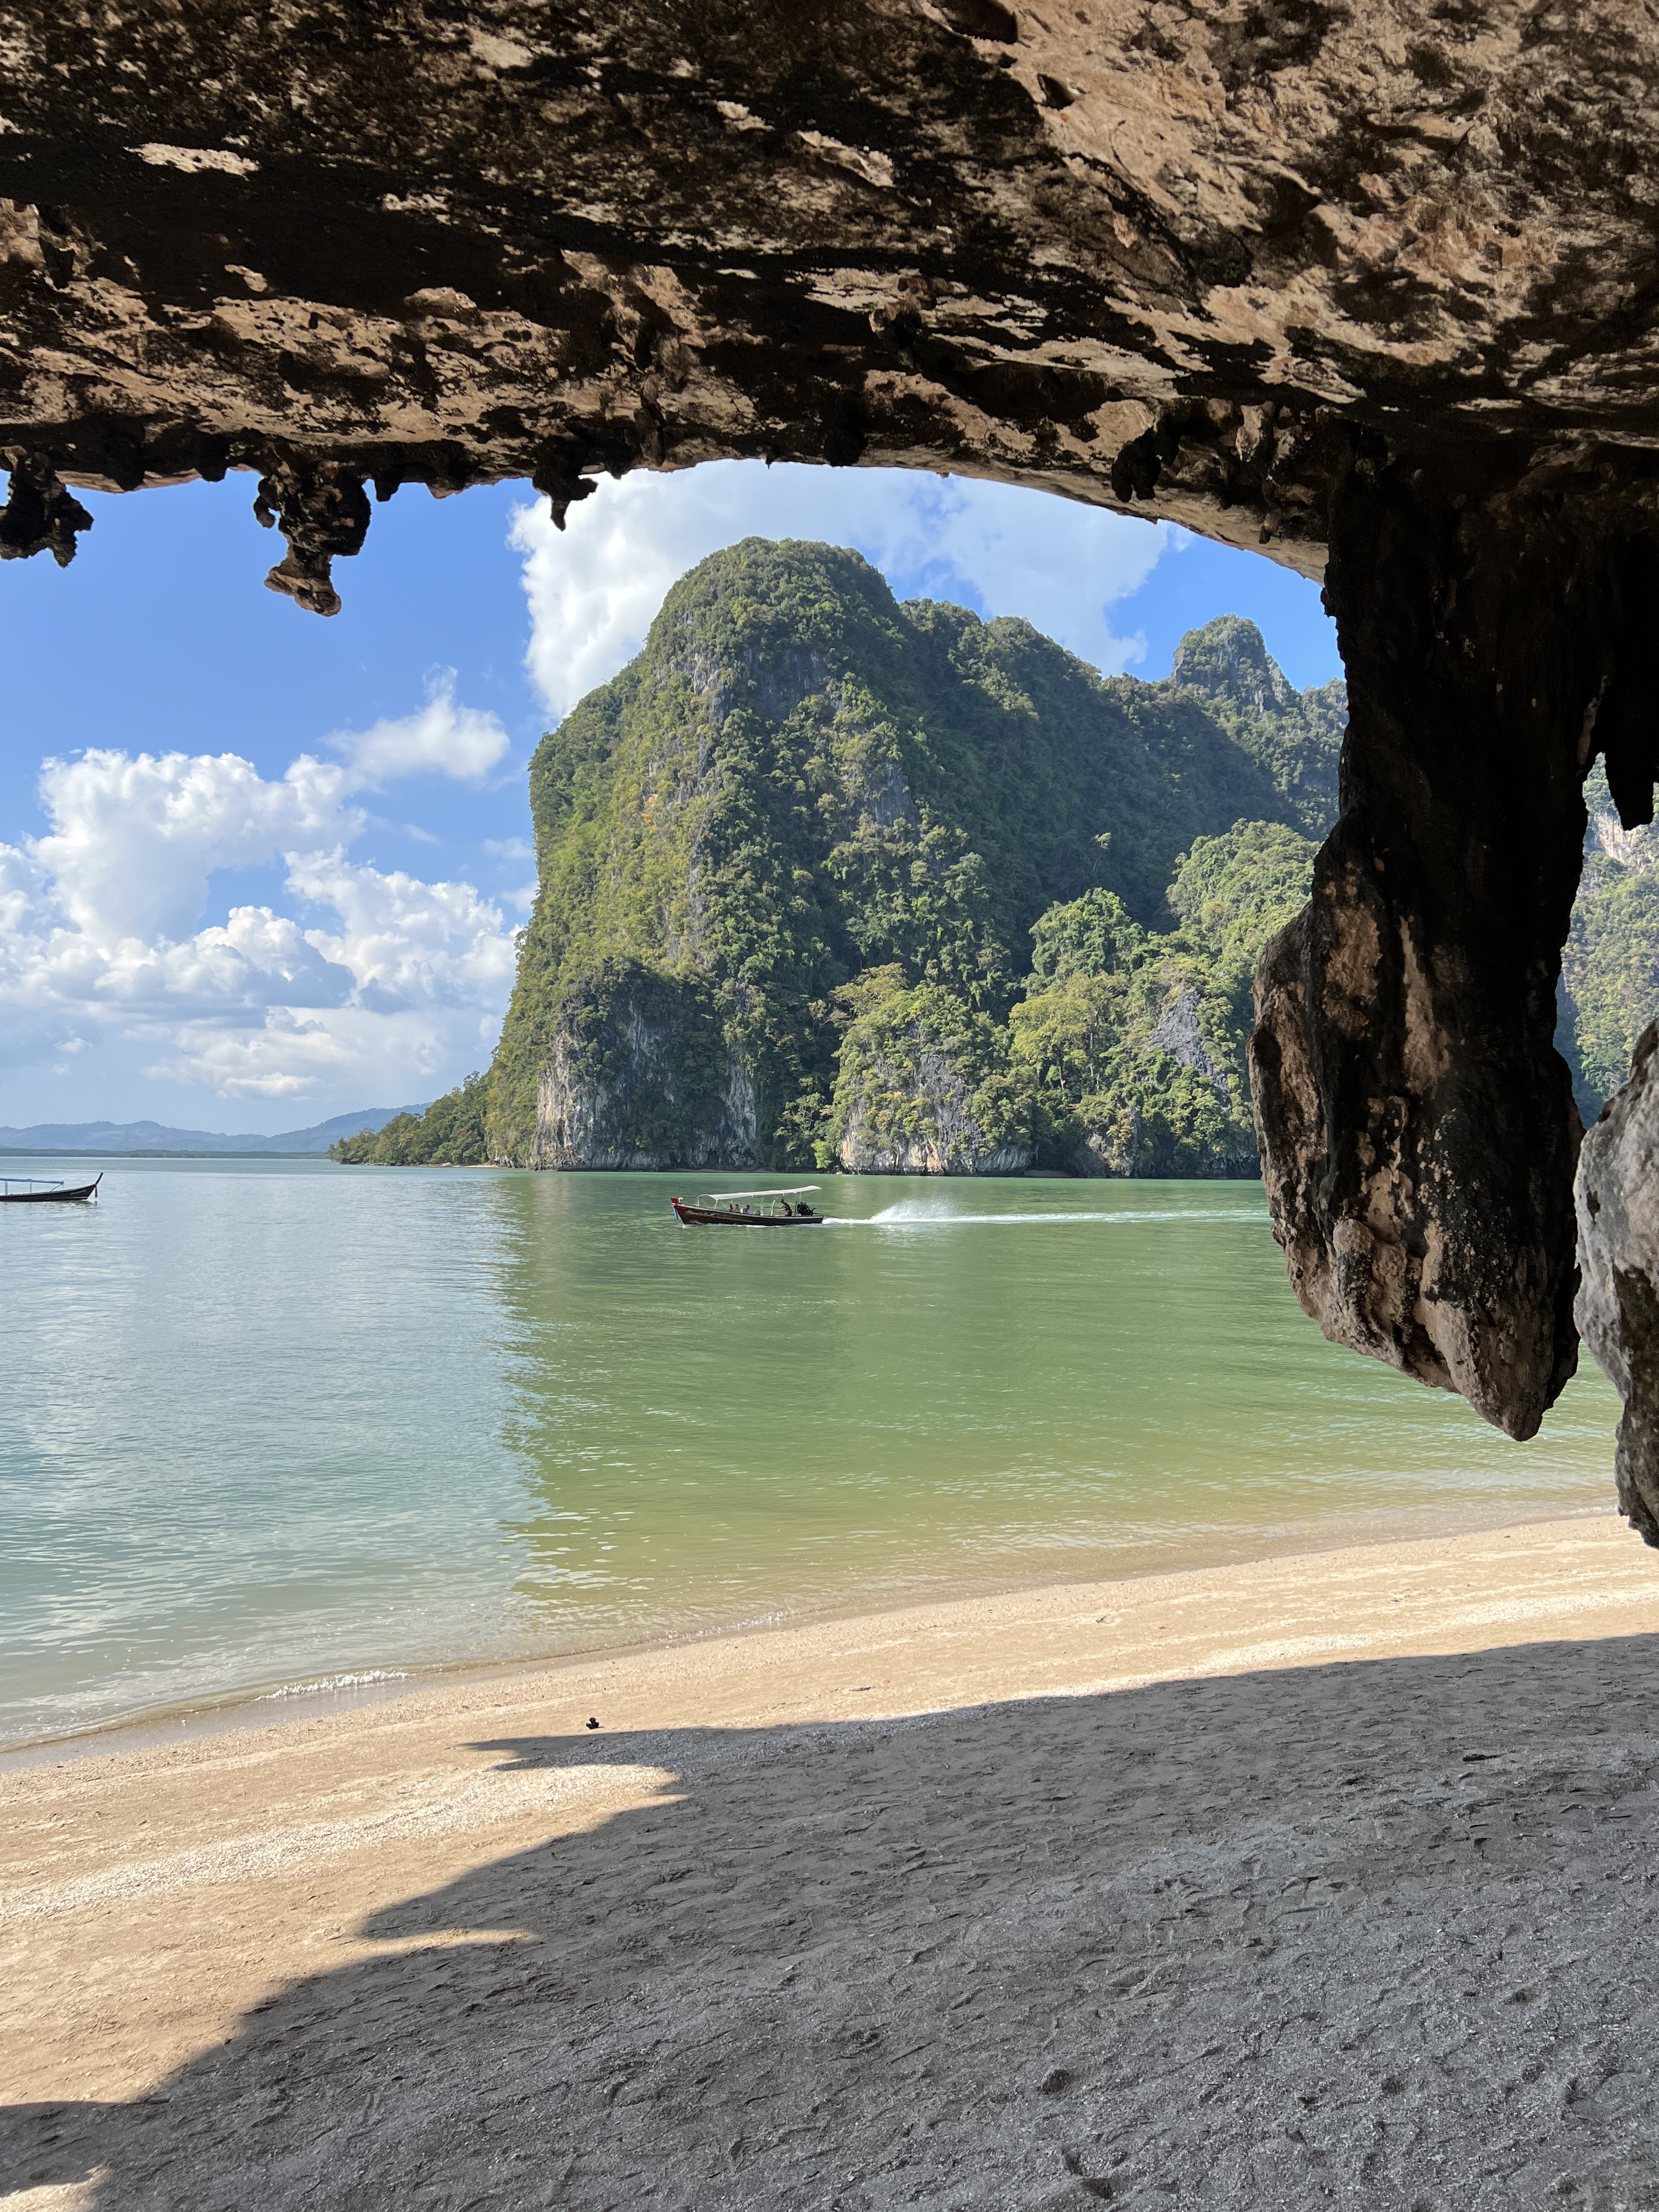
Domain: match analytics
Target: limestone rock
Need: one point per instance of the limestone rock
(1418, 1129)
(919, 1093)
(1618, 1303)
(1148, 259)
(639, 1074)
(1177, 1033)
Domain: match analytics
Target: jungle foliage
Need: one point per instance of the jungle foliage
(800, 785)
(1135, 1039)
(926, 874)
(1610, 965)
(450, 1134)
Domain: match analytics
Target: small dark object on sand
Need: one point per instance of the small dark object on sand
(592, 1723)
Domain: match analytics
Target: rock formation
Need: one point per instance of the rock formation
(639, 1074)
(1617, 1306)
(859, 825)
(916, 1113)
(1374, 279)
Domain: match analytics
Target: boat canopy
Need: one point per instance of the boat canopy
(736, 1197)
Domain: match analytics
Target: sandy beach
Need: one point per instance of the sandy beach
(1322, 1879)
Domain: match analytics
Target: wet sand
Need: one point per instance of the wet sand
(1321, 1879)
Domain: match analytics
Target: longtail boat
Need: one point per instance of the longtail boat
(31, 1190)
(737, 1209)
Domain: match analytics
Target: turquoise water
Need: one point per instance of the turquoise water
(267, 1424)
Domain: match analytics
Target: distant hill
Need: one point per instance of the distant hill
(156, 1137)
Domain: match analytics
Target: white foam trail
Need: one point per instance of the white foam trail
(909, 1215)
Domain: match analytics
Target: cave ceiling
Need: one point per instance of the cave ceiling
(1147, 256)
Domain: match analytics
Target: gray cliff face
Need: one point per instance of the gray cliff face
(1177, 1033)
(1122, 1154)
(941, 1135)
(639, 1075)
(1618, 1305)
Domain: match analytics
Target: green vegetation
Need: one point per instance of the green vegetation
(1231, 893)
(926, 1083)
(1295, 736)
(800, 785)
(450, 1134)
(950, 898)
(1135, 1039)
(1610, 966)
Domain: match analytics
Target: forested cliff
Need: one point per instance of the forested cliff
(827, 880)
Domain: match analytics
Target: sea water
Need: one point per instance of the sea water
(272, 1425)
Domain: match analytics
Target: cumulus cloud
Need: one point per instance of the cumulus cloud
(375, 977)
(442, 740)
(134, 839)
(290, 1055)
(407, 943)
(594, 588)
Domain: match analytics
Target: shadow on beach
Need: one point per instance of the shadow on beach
(1379, 1934)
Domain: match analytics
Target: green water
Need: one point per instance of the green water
(269, 1423)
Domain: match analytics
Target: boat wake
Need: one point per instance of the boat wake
(909, 1213)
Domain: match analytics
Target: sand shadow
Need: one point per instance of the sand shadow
(1377, 1933)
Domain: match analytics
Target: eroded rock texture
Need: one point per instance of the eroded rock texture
(1147, 255)
(1418, 1130)
(639, 1074)
(1375, 276)
(1618, 1308)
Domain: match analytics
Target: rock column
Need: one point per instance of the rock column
(1417, 1127)
(1618, 1305)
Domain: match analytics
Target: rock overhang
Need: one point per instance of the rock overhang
(1369, 284)
(1159, 257)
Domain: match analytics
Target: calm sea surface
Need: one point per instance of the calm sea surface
(267, 1425)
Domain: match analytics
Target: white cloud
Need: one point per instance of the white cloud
(134, 839)
(378, 979)
(292, 1055)
(442, 740)
(594, 587)
(407, 944)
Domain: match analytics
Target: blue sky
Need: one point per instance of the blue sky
(258, 868)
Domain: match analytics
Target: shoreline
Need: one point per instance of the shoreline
(351, 1686)
(1121, 1871)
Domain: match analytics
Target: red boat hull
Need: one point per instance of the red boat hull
(709, 1217)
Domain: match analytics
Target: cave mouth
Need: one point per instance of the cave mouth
(1416, 1125)
(1391, 337)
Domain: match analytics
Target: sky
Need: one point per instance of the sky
(258, 868)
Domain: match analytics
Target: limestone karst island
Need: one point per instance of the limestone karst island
(1023, 639)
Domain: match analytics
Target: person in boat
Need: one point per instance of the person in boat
(805, 1210)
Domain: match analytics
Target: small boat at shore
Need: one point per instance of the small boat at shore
(31, 1190)
(737, 1209)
